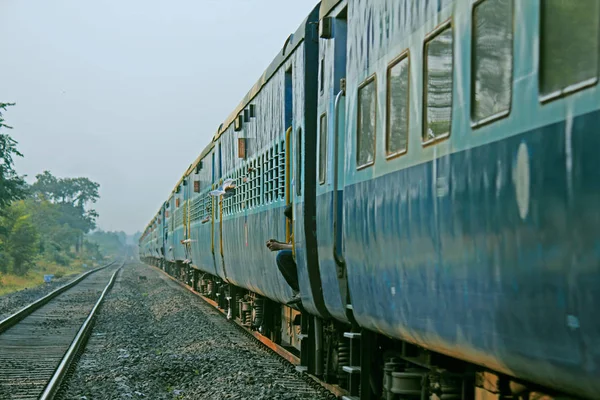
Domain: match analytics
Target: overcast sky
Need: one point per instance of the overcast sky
(128, 92)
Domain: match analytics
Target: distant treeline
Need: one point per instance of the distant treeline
(47, 221)
(113, 243)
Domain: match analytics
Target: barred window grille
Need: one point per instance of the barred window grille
(274, 173)
(281, 182)
(207, 206)
(178, 217)
(240, 186)
(197, 209)
(228, 201)
(262, 175)
(254, 184)
(268, 175)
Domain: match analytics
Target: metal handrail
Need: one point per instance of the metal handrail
(288, 228)
(339, 258)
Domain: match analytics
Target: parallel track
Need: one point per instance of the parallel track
(36, 343)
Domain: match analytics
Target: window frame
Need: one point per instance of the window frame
(568, 90)
(449, 23)
(323, 117)
(502, 114)
(371, 78)
(404, 55)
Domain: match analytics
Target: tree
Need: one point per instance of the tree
(74, 191)
(12, 186)
(70, 195)
(109, 243)
(21, 239)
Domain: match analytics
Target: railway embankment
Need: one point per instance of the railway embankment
(155, 340)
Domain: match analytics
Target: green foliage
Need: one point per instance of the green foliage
(49, 225)
(76, 192)
(67, 198)
(109, 243)
(20, 240)
(12, 186)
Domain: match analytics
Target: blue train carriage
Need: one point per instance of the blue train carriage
(143, 253)
(469, 182)
(269, 133)
(148, 239)
(202, 243)
(148, 242)
(265, 148)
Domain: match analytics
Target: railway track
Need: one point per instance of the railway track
(285, 357)
(38, 343)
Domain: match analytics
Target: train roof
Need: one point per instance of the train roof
(289, 46)
(326, 6)
(291, 43)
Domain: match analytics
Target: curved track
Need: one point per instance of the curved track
(40, 335)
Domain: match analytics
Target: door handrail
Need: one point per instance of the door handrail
(288, 230)
(338, 257)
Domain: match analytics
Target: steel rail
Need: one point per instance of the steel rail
(80, 339)
(13, 319)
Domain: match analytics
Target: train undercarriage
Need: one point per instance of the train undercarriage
(352, 358)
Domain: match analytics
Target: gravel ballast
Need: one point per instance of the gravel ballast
(13, 302)
(155, 340)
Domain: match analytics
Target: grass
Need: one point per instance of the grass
(10, 283)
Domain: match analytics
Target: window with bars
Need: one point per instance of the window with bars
(201, 207)
(262, 175)
(274, 172)
(229, 201)
(254, 185)
(170, 223)
(178, 220)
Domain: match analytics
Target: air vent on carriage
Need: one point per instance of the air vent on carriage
(326, 28)
(239, 121)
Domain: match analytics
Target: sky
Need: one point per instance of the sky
(129, 92)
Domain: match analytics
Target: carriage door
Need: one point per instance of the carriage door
(218, 218)
(339, 33)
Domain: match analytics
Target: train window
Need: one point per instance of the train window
(322, 148)
(437, 91)
(569, 32)
(397, 106)
(281, 171)
(299, 163)
(366, 123)
(492, 60)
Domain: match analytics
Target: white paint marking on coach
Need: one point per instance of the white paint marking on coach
(521, 179)
(569, 152)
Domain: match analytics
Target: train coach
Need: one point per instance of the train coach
(440, 160)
